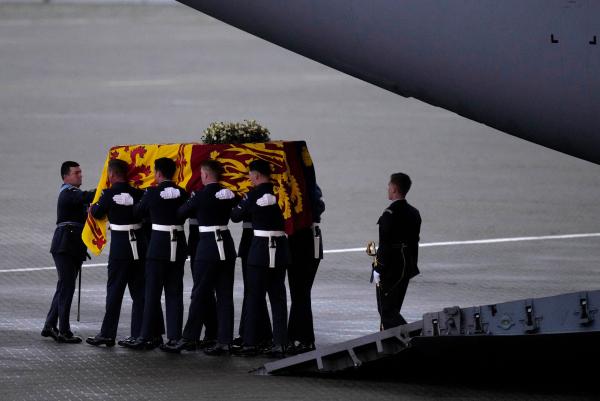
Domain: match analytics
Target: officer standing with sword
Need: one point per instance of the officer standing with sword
(396, 258)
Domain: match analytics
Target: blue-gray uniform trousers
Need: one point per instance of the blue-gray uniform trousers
(267, 330)
(67, 267)
(212, 277)
(168, 275)
(124, 273)
(301, 275)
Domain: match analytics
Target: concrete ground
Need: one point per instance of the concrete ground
(77, 79)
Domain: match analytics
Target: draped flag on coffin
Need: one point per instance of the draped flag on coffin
(293, 176)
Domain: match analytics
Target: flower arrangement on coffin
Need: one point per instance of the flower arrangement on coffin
(248, 131)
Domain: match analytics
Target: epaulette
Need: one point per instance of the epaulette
(388, 211)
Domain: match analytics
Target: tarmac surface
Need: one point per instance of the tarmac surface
(77, 79)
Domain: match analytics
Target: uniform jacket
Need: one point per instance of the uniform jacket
(71, 215)
(210, 211)
(269, 218)
(398, 252)
(120, 247)
(302, 241)
(164, 212)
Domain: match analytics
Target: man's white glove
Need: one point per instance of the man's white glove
(170, 193)
(266, 200)
(123, 199)
(376, 277)
(225, 194)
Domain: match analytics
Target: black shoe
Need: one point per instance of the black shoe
(184, 344)
(126, 340)
(301, 348)
(68, 338)
(206, 343)
(217, 349)
(171, 346)
(237, 342)
(49, 331)
(265, 346)
(99, 340)
(246, 350)
(153, 343)
(276, 351)
(137, 344)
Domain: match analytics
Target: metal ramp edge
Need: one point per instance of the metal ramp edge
(346, 355)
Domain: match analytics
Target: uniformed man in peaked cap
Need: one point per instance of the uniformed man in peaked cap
(396, 263)
(268, 259)
(68, 251)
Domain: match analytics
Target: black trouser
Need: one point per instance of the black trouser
(212, 277)
(67, 267)
(210, 312)
(301, 275)
(263, 280)
(168, 275)
(267, 331)
(121, 274)
(390, 296)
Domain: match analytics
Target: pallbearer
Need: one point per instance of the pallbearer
(268, 259)
(68, 251)
(264, 321)
(127, 254)
(166, 255)
(215, 260)
(306, 247)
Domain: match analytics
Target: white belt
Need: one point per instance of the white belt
(125, 227)
(208, 229)
(132, 238)
(160, 227)
(317, 240)
(173, 230)
(268, 234)
(193, 222)
(247, 224)
(217, 230)
(271, 235)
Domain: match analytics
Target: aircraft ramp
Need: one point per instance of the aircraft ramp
(521, 336)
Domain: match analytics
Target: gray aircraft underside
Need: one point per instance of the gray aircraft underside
(530, 68)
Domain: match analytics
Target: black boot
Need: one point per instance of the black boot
(99, 340)
(49, 331)
(217, 349)
(68, 338)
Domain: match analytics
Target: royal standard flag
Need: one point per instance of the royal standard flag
(293, 176)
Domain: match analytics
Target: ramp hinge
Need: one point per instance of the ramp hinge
(530, 321)
(436, 327)
(478, 325)
(584, 310)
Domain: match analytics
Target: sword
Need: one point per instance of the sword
(372, 251)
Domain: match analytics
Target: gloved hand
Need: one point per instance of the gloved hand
(225, 194)
(123, 199)
(376, 278)
(170, 193)
(266, 200)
